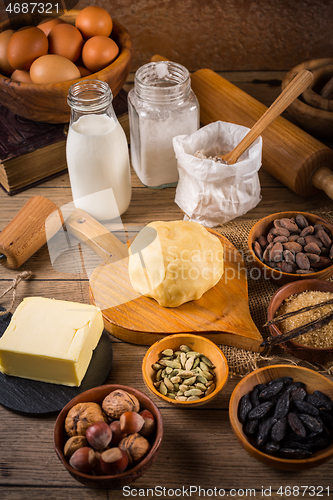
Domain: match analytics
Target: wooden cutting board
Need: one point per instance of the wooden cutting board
(222, 314)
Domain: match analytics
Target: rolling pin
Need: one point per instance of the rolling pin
(26, 234)
(294, 157)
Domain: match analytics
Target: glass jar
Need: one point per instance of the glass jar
(160, 106)
(97, 152)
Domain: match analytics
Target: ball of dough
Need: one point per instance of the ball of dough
(175, 262)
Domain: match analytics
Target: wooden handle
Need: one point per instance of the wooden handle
(301, 81)
(97, 237)
(323, 179)
(26, 234)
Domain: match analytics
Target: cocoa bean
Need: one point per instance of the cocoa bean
(280, 231)
(289, 256)
(281, 239)
(277, 223)
(276, 252)
(331, 253)
(293, 246)
(257, 250)
(302, 261)
(266, 254)
(312, 248)
(313, 257)
(304, 271)
(288, 224)
(314, 239)
(325, 251)
(324, 238)
(293, 237)
(301, 241)
(318, 227)
(270, 237)
(322, 263)
(301, 221)
(307, 231)
(262, 241)
(288, 267)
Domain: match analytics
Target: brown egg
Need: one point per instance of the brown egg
(5, 68)
(25, 46)
(83, 71)
(98, 52)
(21, 76)
(52, 68)
(47, 24)
(93, 20)
(65, 40)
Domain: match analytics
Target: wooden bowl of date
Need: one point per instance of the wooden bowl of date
(97, 394)
(196, 343)
(48, 102)
(311, 354)
(312, 380)
(263, 226)
(316, 121)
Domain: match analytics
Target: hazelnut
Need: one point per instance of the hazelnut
(84, 459)
(113, 461)
(131, 422)
(117, 402)
(136, 447)
(81, 416)
(117, 433)
(149, 426)
(99, 435)
(73, 444)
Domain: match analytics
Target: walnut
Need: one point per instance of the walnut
(117, 402)
(81, 416)
(135, 446)
(73, 444)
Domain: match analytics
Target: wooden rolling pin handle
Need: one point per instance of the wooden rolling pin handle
(26, 233)
(323, 179)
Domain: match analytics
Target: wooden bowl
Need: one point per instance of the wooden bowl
(97, 394)
(315, 121)
(48, 103)
(312, 380)
(311, 354)
(312, 94)
(276, 276)
(196, 343)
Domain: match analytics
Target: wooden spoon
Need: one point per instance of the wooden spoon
(301, 81)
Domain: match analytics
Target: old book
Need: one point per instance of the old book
(33, 152)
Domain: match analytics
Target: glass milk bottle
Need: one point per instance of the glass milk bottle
(97, 152)
(160, 106)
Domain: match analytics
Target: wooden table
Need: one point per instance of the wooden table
(199, 448)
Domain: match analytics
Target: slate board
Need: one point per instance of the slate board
(41, 398)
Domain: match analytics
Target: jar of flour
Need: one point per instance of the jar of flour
(161, 106)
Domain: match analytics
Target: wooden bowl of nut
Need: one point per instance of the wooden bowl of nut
(289, 246)
(282, 416)
(108, 436)
(315, 345)
(314, 120)
(185, 370)
(57, 66)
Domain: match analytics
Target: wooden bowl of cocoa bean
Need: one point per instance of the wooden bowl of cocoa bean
(270, 424)
(316, 345)
(290, 246)
(94, 407)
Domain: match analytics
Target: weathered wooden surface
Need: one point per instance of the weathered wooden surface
(199, 448)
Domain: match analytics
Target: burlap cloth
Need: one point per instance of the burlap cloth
(240, 361)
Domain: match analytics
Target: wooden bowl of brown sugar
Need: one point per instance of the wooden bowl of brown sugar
(272, 268)
(294, 296)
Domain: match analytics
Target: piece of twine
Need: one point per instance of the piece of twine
(18, 278)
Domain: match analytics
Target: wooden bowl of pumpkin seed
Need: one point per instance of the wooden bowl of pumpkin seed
(185, 369)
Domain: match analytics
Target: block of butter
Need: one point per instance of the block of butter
(50, 340)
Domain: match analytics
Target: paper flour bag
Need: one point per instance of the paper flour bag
(210, 192)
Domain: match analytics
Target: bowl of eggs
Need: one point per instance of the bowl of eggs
(40, 58)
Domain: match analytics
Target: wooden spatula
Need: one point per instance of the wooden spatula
(301, 81)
